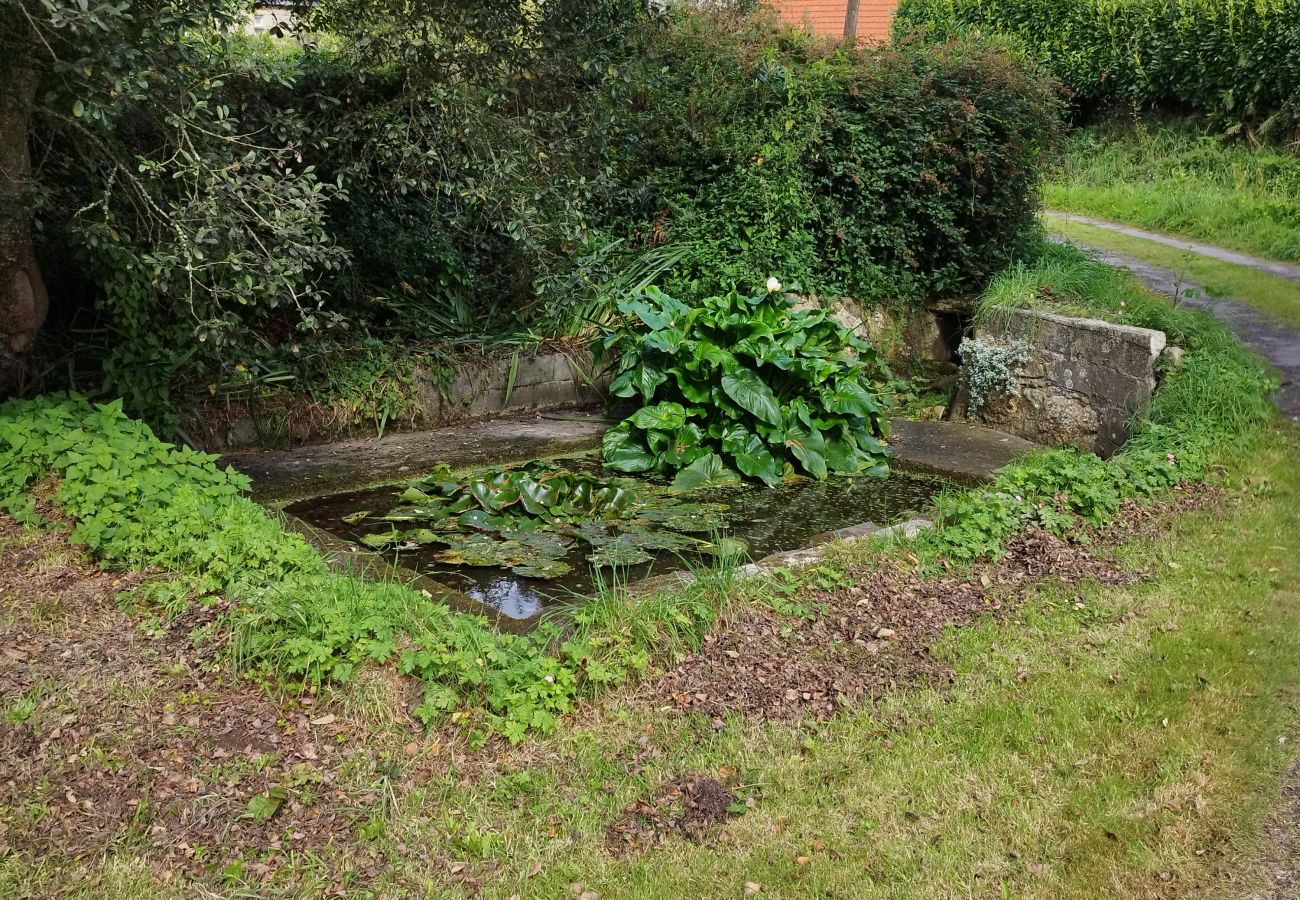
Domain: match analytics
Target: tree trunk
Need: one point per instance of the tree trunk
(23, 300)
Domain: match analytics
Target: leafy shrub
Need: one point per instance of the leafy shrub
(884, 175)
(747, 381)
(417, 182)
(1234, 59)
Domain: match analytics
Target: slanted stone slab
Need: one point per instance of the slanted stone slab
(547, 380)
(360, 462)
(1084, 380)
(963, 451)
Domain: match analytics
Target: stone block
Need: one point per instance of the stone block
(1083, 382)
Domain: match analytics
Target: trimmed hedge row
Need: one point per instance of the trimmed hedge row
(1237, 60)
(883, 174)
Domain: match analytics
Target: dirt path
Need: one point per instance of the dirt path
(1289, 271)
(1276, 342)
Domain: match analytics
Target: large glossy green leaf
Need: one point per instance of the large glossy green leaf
(666, 416)
(808, 447)
(851, 398)
(624, 452)
(709, 469)
(751, 455)
(751, 394)
(693, 388)
(684, 447)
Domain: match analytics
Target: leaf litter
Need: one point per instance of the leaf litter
(857, 641)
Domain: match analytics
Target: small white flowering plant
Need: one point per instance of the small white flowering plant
(989, 369)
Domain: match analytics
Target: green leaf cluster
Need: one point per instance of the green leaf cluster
(747, 383)
(528, 519)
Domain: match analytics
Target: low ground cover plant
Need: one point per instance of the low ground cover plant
(743, 383)
(140, 503)
(1231, 59)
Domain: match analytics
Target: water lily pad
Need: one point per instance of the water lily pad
(411, 538)
(640, 536)
(551, 568)
(426, 511)
(544, 543)
(480, 550)
(725, 548)
(617, 553)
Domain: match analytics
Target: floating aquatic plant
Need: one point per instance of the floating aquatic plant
(529, 519)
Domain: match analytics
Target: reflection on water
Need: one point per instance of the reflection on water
(769, 520)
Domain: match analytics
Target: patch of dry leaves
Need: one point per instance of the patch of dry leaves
(688, 807)
(877, 631)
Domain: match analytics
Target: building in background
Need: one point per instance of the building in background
(868, 20)
(266, 16)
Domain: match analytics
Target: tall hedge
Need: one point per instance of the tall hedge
(878, 174)
(468, 189)
(1237, 60)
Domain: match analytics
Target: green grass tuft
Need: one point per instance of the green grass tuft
(1175, 179)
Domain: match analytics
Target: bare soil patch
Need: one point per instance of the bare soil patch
(864, 639)
(689, 807)
(114, 738)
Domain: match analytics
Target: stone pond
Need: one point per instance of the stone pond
(324, 490)
(353, 498)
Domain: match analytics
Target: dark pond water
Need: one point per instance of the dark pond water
(768, 520)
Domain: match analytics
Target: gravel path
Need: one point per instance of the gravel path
(1276, 342)
(1289, 271)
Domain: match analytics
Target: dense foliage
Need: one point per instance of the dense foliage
(214, 209)
(749, 382)
(138, 502)
(1237, 60)
(880, 174)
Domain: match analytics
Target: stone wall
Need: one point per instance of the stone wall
(1084, 380)
(904, 337)
(546, 380)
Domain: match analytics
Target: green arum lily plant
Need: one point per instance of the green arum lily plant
(748, 383)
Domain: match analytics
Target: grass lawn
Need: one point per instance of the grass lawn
(1273, 295)
(1121, 740)
(1171, 179)
(1126, 741)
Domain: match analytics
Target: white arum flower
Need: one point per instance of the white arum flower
(773, 285)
